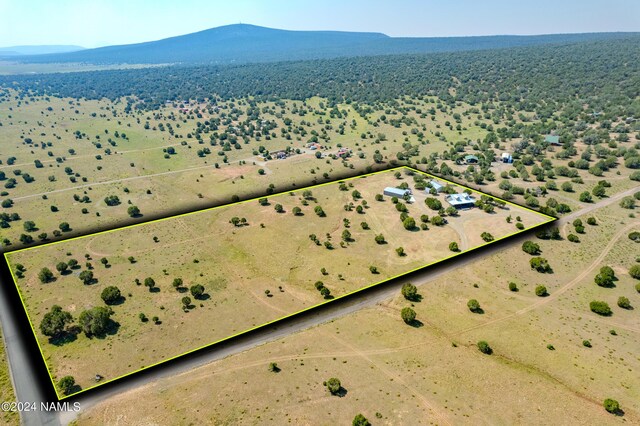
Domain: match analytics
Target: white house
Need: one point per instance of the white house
(461, 201)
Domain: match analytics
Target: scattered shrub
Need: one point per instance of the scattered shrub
(600, 307)
(484, 347)
(541, 291)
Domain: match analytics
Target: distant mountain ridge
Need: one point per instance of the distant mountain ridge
(38, 50)
(243, 43)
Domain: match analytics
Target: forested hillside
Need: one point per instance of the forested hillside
(242, 43)
(604, 74)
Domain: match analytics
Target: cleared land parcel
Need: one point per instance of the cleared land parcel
(113, 303)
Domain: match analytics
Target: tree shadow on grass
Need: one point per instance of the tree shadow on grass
(182, 289)
(74, 389)
(119, 301)
(619, 412)
(417, 298)
(204, 296)
(342, 392)
(68, 336)
(416, 323)
(111, 329)
(479, 311)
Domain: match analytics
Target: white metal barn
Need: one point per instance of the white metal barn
(406, 194)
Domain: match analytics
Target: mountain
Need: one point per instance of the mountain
(226, 44)
(242, 43)
(38, 50)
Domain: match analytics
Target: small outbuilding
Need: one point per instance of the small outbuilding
(344, 153)
(460, 201)
(507, 158)
(434, 184)
(471, 159)
(552, 140)
(405, 194)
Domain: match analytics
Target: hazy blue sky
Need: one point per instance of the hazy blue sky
(102, 22)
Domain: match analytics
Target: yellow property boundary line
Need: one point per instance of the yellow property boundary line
(412, 169)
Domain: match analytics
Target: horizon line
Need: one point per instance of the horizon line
(320, 30)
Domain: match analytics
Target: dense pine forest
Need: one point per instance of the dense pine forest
(602, 74)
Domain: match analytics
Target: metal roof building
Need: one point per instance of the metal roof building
(461, 201)
(471, 159)
(391, 191)
(435, 185)
(552, 139)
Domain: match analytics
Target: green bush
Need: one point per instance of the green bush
(600, 307)
(67, 384)
(473, 305)
(360, 420)
(334, 385)
(624, 302)
(409, 223)
(541, 291)
(531, 248)
(611, 405)
(540, 264)
(487, 237)
(111, 295)
(484, 347)
(409, 291)
(408, 315)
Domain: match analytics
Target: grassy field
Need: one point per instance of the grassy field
(14, 68)
(396, 374)
(88, 150)
(246, 286)
(6, 389)
(135, 169)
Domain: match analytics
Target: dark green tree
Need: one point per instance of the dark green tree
(600, 307)
(45, 275)
(95, 321)
(86, 277)
(111, 295)
(333, 385)
(531, 248)
(484, 347)
(360, 420)
(408, 315)
(612, 406)
(67, 384)
(473, 305)
(197, 291)
(54, 322)
(409, 291)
